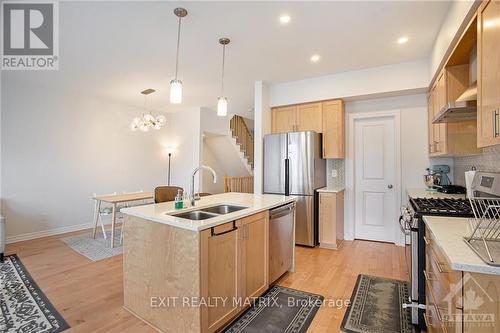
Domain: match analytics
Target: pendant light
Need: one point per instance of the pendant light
(222, 101)
(175, 84)
(147, 120)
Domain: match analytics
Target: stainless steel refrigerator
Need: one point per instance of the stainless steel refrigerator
(293, 166)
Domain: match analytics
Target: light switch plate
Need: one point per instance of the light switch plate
(334, 173)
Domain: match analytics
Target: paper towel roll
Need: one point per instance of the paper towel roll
(469, 177)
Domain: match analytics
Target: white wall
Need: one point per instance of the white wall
(59, 147)
(457, 13)
(184, 133)
(262, 127)
(210, 159)
(409, 76)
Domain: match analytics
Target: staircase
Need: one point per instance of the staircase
(243, 137)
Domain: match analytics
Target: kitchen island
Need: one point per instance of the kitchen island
(187, 275)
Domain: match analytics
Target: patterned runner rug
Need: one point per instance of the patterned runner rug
(377, 306)
(279, 310)
(23, 306)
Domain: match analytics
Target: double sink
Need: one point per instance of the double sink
(208, 212)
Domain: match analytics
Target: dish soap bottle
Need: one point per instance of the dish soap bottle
(178, 200)
(186, 201)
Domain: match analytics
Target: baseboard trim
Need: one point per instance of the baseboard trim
(51, 232)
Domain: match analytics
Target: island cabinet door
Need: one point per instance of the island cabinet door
(253, 236)
(219, 276)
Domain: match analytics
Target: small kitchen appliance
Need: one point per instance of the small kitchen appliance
(437, 180)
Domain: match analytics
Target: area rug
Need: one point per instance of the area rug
(95, 249)
(377, 306)
(280, 310)
(23, 306)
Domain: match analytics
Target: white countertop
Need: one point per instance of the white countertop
(448, 233)
(331, 189)
(255, 202)
(423, 193)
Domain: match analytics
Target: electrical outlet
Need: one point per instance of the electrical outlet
(334, 173)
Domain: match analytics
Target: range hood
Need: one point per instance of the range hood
(464, 108)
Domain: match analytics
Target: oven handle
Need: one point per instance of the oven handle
(403, 229)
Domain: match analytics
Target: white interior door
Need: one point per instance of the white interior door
(374, 178)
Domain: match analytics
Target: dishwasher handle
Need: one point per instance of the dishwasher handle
(281, 211)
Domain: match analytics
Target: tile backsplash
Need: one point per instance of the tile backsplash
(489, 160)
(339, 181)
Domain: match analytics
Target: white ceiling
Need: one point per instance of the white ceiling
(117, 49)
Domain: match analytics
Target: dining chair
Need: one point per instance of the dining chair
(166, 193)
(100, 211)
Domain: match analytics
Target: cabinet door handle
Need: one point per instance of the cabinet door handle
(427, 276)
(213, 233)
(427, 320)
(496, 116)
(439, 266)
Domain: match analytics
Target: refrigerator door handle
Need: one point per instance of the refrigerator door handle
(287, 177)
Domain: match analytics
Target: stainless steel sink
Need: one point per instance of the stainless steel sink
(223, 209)
(195, 215)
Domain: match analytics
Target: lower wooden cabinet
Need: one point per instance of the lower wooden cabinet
(458, 301)
(253, 239)
(234, 264)
(331, 219)
(219, 275)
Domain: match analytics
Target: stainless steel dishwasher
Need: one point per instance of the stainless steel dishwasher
(281, 240)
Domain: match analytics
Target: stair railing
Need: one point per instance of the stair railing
(238, 184)
(243, 137)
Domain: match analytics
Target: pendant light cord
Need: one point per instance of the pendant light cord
(222, 77)
(178, 42)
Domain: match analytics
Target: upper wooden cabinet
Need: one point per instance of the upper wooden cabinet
(488, 61)
(284, 119)
(333, 129)
(303, 117)
(322, 117)
(310, 117)
(452, 138)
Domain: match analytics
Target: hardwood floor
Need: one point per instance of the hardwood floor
(89, 294)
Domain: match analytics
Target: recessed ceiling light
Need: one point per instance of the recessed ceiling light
(315, 58)
(403, 40)
(284, 19)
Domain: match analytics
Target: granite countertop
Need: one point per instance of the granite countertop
(330, 189)
(448, 233)
(255, 202)
(423, 193)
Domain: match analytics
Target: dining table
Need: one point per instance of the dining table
(114, 200)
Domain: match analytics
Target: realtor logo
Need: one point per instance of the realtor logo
(30, 35)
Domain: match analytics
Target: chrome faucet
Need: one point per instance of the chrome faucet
(214, 175)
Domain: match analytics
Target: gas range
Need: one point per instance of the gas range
(413, 226)
(442, 207)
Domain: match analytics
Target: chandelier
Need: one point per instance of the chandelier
(147, 120)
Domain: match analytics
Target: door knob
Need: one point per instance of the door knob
(389, 186)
